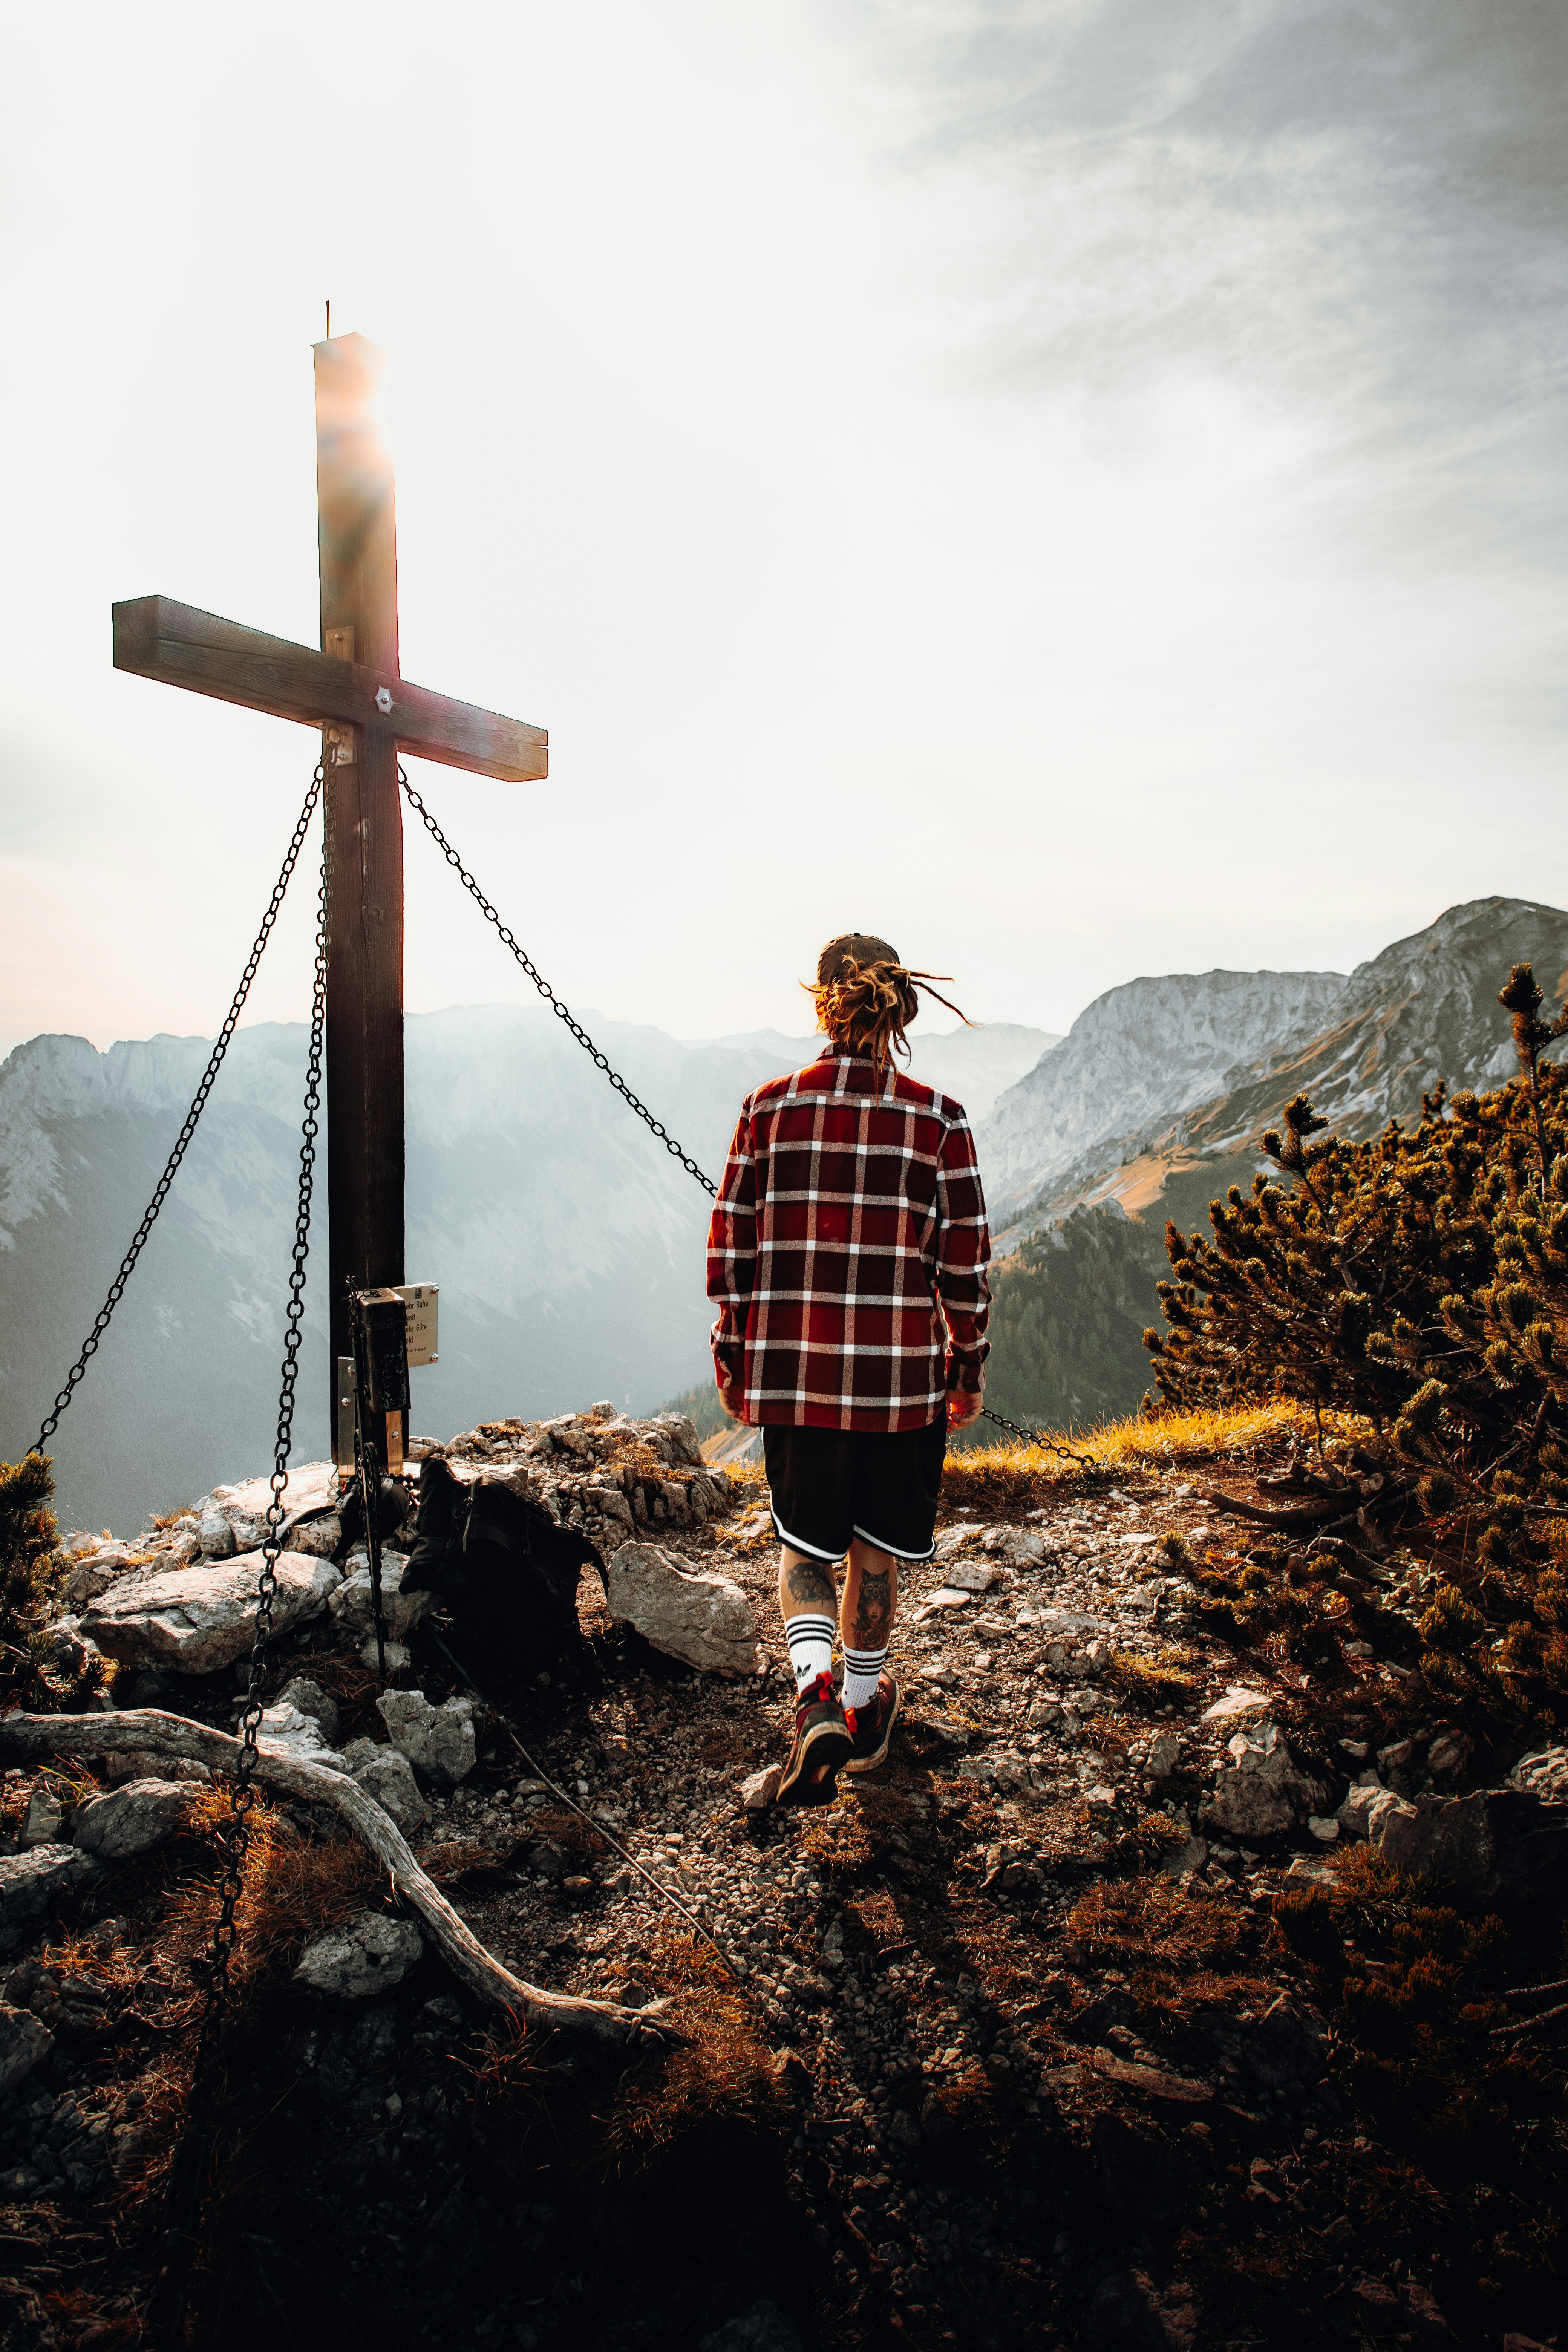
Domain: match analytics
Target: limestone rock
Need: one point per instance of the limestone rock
(1163, 1751)
(1355, 1813)
(1544, 1774)
(440, 1740)
(971, 1575)
(217, 1536)
(1500, 1845)
(705, 1620)
(32, 1882)
(370, 1954)
(1240, 1699)
(312, 1700)
(130, 1819)
(41, 1823)
(287, 1726)
(401, 1611)
(389, 1777)
(1261, 1793)
(199, 1620)
(397, 1655)
(321, 1535)
(761, 1789)
(23, 2043)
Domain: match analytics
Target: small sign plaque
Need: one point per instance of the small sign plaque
(421, 1299)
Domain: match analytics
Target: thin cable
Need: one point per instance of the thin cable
(597, 1827)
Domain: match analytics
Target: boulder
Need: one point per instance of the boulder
(1261, 1791)
(321, 1535)
(1500, 1845)
(32, 1882)
(1355, 1813)
(215, 1535)
(199, 1620)
(23, 2043)
(312, 1700)
(286, 1725)
(705, 1620)
(41, 1823)
(440, 1740)
(1542, 1774)
(389, 1777)
(401, 1611)
(365, 1957)
(132, 1819)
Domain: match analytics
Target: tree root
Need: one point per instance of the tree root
(149, 1731)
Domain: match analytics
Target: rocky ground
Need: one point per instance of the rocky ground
(1048, 2032)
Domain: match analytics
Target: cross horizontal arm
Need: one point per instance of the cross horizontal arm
(155, 637)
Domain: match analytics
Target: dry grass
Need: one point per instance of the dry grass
(1154, 1680)
(1002, 1475)
(719, 2078)
(1180, 1950)
(295, 1887)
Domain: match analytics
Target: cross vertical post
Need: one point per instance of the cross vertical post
(358, 551)
(355, 692)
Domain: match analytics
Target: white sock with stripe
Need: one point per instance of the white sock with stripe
(810, 1643)
(862, 1673)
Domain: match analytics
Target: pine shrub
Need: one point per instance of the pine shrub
(1419, 1278)
(28, 1535)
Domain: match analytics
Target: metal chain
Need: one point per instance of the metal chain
(560, 1011)
(198, 1104)
(187, 2179)
(1033, 1437)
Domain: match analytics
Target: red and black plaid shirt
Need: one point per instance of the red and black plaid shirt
(847, 1251)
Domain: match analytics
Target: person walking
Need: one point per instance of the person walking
(847, 1258)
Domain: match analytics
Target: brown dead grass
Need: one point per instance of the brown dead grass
(295, 1886)
(1181, 1951)
(720, 2076)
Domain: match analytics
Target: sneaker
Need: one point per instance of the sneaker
(871, 1728)
(819, 1750)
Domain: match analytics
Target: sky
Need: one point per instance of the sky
(1076, 486)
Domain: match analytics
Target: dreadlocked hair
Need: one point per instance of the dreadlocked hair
(866, 1007)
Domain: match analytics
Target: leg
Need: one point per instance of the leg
(808, 1603)
(805, 1586)
(870, 1694)
(870, 1598)
(821, 1743)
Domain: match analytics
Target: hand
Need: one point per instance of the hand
(964, 1406)
(732, 1397)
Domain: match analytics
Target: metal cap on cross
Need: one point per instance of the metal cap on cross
(353, 690)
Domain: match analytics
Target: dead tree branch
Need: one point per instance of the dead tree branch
(150, 1732)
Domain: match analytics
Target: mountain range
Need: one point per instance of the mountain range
(568, 1245)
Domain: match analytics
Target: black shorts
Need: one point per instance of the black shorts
(830, 1486)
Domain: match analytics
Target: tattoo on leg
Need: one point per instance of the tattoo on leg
(874, 1609)
(806, 1589)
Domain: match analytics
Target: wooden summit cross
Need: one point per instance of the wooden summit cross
(353, 691)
